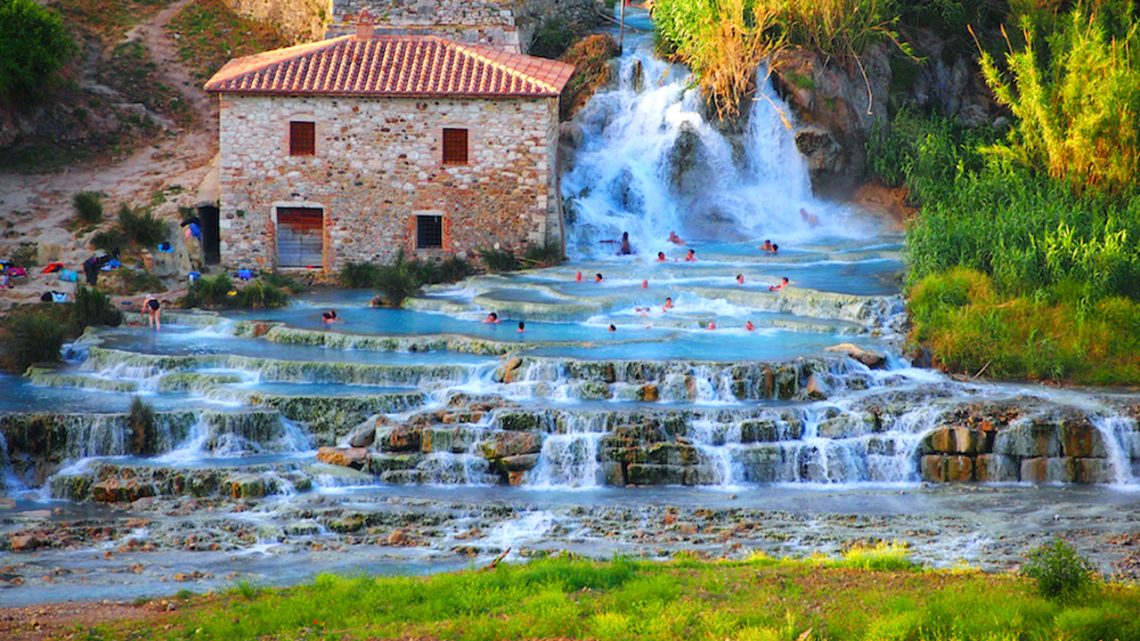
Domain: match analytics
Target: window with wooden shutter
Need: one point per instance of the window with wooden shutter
(429, 232)
(302, 138)
(455, 146)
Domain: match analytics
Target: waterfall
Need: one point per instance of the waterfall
(1121, 446)
(652, 161)
(569, 459)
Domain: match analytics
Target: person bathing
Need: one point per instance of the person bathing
(783, 283)
(492, 319)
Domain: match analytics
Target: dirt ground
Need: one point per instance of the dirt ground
(73, 620)
(40, 207)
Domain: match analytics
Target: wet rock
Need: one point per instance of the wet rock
(1091, 470)
(24, 542)
(402, 438)
(874, 360)
(671, 454)
(352, 457)
(364, 435)
(518, 421)
(843, 426)
(378, 464)
(1028, 439)
(1080, 439)
(594, 391)
(815, 388)
(454, 440)
(120, 490)
(947, 469)
(1044, 469)
(951, 440)
(996, 468)
(504, 444)
(649, 393)
(650, 474)
(519, 463)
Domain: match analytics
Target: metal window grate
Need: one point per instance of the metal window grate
(455, 146)
(429, 232)
(302, 139)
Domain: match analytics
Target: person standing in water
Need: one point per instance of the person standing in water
(153, 310)
(625, 249)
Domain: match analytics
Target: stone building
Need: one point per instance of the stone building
(358, 147)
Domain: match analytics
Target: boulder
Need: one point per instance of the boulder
(947, 469)
(874, 360)
(364, 435)
(507, 444)
(1091, 470)
(353, 457)
(650, 474)
(24, 542)
(508, 371)
(1043, 469)
(671, 454)
(519, 463)
(951, 440)
(649, 393)
(1080, 439)
(402, 438)
(1028, 439)
(995, 468)
(116, 490)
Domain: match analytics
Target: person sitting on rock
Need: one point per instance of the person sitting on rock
(783, 283)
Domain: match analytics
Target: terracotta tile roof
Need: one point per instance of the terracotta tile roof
(399, 66)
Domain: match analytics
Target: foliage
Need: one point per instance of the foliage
(358, 275)
(141, 227)
(133, 281)
(969, 327)
(883, 556)
(32, 336)
(1059, 571)
(591, 59)
(548, 254)
(141, 423)
(93, 308)
(498, 260)
(26, 255)
(284, 282)
(220, 292)
(210, 34)
(209, 292)
(259, 294)
(724, 41)
(398, 281)
(34, 46)
(450, 270)
(567, 598)
(88, 207)
(108, 240)
(553, 38)
(1074, 88)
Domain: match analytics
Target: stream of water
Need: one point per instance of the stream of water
(599, 428)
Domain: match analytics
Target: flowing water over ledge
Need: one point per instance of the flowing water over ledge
(421, 439)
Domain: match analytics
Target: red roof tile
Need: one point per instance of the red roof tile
(399, 66)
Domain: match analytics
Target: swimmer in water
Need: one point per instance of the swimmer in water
(492, 319)
(712, 324)
(691, 257)
(645, 284)
(522, 327)
(668, 304)
(740, 279)
(625, 249)
(578, 277)
(675, 239)
(329, 317)
(661, 257)
(613, 328)
(749, 326)
(782, 285)
(767, 246)
(598, 278)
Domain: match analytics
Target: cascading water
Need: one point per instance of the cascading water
(651, 161)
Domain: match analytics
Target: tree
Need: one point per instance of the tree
(34, 45)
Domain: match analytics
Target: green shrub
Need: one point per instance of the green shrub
(288, 284)
(34, 45)
(498, 260)
(209, 292)
(108, 240)
(33, 336)
(214, 292)
(398, 281)
(453, 269)
(93, 308)
(1060, 571)
(88, 207)
(141, 227)
(141, 423)
(27, 255)
(548, 254)
(358, 275)
(135, 281)
(258, 294)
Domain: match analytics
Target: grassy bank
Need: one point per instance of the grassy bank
(867, 595)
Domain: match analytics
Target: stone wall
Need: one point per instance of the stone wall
(377, 165)
(299, 20)
(508, 24)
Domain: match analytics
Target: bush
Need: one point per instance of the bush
(88, 207)
(93, 308)
(209, 291)
(27, 255)
(288, 284)
(358, 275)
(214, 292)
(33, 336)
(259, 294)
(399, 280)
(498, 260)
(548, 254)
(141, 227)
(453, 270)
(1060, 572)
(141, 423)
(108, 240)
(34, 45)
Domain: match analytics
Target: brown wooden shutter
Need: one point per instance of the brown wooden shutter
(302, 138)
(455, 146)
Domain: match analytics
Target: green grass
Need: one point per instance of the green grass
(210, 34)
(758, 599)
